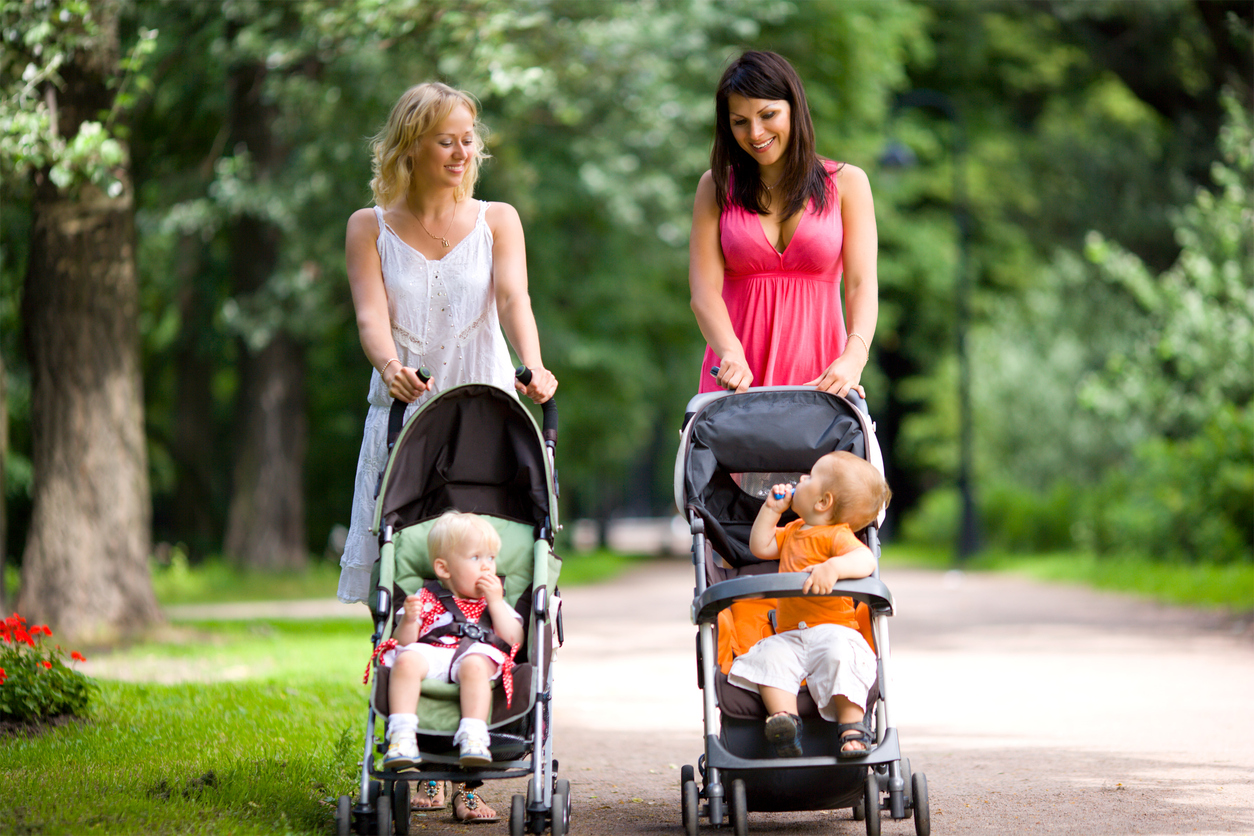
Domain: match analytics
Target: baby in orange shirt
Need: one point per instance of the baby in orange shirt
(818, 640)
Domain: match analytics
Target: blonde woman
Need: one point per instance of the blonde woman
(435, 277)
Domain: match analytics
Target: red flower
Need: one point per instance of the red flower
(78, 657)
(23, 636)
(40, 628)
(46, 664)
(1, 676)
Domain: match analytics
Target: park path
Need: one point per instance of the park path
(1032, 708)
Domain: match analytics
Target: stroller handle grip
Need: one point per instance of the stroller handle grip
(523, 375)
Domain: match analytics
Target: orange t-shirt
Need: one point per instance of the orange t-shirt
(745, 623)
(801, 548)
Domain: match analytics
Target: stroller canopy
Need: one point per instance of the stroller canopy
(776, 430)
(472, 448)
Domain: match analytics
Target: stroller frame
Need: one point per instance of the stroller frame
(723, 783)
(528, 497)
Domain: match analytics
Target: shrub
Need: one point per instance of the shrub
(35, 683)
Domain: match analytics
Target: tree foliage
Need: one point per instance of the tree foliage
(600, 116)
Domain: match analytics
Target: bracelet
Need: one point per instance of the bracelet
(383, 370)
(865, 345)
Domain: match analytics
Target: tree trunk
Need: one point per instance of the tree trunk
(198, 517)
(85, 567)
(266, 520)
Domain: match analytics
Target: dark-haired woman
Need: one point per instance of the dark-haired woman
(776, 230)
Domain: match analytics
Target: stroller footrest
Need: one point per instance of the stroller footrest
(719, 757)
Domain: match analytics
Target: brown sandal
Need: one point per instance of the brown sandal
(472, 802)
(425, 796)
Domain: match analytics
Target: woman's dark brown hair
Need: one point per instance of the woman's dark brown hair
(765, 75)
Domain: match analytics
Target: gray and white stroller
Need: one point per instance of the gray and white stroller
(734, 447)
(472, 448)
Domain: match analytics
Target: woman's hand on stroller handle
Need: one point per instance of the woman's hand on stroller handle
(408, 383)
(540, 388)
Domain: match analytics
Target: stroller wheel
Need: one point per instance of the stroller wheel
(560, 814)
(739, 809)
(383, 814)
(400, 807)
(691, 803)
(343, 816)
(517, 815)
(922, 815)
(859, 811)
(872, 802)
(686, 774)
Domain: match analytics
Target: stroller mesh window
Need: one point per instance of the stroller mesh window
(758, 485)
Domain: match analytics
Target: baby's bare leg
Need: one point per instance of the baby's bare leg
(405, 682)
(777, 700)
(475, 680)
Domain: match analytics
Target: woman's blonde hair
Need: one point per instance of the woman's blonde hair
(415, 114)
(454, 529)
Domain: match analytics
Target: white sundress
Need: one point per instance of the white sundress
(443, 316)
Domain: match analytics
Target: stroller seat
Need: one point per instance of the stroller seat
(440, 710)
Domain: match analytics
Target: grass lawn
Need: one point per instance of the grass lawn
(258, 755)
(1207, 585)
(265, 730)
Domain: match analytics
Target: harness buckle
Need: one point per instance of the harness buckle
(473, 631)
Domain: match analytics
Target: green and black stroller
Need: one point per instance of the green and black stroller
(472, 448)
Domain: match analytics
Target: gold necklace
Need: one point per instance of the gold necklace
(443, 239)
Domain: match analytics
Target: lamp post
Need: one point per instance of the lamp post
(898, 155)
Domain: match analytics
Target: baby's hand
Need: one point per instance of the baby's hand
(779, 499)
(489, 586)
(823, 577)
(413, 604)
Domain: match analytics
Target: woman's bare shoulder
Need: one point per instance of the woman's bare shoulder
(363, 220)
(499, 212)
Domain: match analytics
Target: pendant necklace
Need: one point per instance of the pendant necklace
(443, 239)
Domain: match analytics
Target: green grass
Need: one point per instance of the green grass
(256, 756)
(1228, 586)
(216, 581)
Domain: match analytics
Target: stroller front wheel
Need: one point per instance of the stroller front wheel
(517, 815)
(343, 816)
(872, 803)
(691, 800)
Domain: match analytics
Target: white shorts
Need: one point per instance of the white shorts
(830, 658)
(440, 659)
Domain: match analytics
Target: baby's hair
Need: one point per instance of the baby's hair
(860, 491)
(454, 528)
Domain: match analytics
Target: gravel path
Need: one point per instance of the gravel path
(1032, 708)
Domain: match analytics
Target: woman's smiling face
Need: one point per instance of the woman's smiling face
(440, 158)
(761, 127)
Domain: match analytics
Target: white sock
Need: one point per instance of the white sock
(470, 727)
(402, 724)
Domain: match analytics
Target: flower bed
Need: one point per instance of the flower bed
(35, 683)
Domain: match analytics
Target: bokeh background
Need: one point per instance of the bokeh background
(1063, 192)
